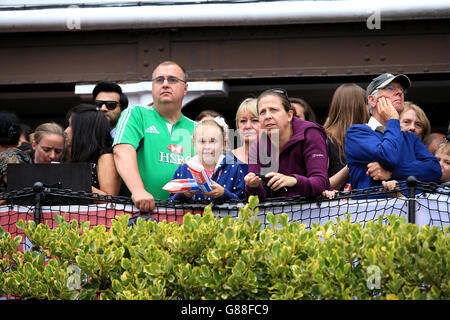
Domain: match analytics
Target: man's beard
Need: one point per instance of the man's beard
(113, 122)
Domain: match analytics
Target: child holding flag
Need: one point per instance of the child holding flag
(222, 168)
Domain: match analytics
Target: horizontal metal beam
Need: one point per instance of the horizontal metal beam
(75, 18)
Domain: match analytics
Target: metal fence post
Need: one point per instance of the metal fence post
(38, 188)
(411, 182)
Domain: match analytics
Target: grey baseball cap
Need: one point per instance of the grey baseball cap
(384, 79)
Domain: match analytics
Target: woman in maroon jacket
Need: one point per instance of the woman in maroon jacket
(290, 156)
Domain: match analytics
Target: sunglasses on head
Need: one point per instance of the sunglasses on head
(280, 91)
(110, 105)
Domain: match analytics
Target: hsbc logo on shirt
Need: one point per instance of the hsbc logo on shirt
(174, 148)
(174, 156)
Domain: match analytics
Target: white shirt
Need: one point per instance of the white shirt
(374, 123)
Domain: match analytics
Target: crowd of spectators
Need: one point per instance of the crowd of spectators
(371, 137)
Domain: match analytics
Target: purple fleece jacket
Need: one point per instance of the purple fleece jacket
(304, 157)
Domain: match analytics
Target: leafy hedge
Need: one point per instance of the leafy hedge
(221, 258)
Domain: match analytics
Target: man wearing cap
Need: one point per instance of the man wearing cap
(379, 150)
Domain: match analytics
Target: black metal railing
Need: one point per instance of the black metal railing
(421, 203)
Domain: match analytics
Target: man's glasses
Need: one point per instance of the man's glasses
(392, 89)
(110, 105)
(170, 80)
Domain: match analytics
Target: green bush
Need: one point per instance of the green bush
(209, 257)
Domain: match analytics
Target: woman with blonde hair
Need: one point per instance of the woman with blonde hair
(348, 106)
(414, 119)
(47, 142)
(247, 124)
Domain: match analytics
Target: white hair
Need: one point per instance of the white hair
(375, 94)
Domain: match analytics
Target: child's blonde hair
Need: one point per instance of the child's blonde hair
(219, 122)
(444, 148)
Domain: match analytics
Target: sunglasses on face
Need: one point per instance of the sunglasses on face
(170, 79)
(110, 105)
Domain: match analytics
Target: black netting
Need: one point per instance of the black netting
(428, 205)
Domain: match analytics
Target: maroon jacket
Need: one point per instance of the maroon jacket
(304, 157)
